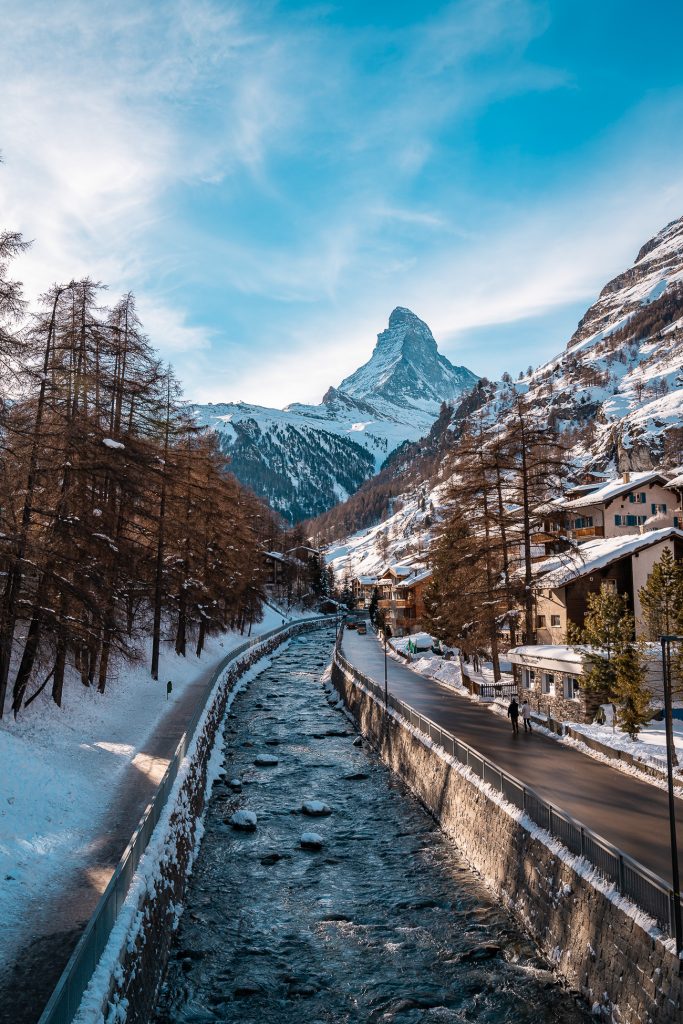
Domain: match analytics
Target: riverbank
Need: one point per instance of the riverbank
(601, 943)
(385, 922)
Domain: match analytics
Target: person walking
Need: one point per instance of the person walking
(526, 716)
(513, 715)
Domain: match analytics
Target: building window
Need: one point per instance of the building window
(676, 523)
(572, 688)
(540, 621)
(639, 498)
(583, 522)
(554, 620)
(610, 584)
(631, 520)
(528, 678)
(548, 683)
(658, 508)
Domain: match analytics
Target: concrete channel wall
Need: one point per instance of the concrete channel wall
(125, 984)
(600, 946)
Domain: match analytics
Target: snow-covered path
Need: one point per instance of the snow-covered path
(76, 782)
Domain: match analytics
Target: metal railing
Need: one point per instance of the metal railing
(646, 889)
(66, 997)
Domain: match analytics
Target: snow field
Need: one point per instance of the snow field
(62, 768)
(148, 873)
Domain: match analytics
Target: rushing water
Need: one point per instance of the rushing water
(385, 923)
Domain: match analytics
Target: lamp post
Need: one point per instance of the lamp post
(387, 637)
(670, 758)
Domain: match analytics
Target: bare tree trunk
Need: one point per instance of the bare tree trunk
(158, 574)
(8, 606)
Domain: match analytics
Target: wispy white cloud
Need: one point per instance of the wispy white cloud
(265, 182)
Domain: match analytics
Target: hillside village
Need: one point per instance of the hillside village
(600, 533)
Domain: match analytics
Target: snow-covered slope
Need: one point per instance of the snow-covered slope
(306, 458)
(616, 392)
(406, 369)
(621, 373)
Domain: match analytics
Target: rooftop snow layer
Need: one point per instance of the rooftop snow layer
(561, 569)
(615, 487)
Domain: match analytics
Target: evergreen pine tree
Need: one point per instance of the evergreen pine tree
(614, 659)
(662, 598)
(373, 607)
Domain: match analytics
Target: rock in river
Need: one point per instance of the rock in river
(244, 820)
(311, 841)
(265, 761)
(315, 808)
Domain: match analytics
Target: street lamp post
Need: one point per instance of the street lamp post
(670, 757)
(387, 637)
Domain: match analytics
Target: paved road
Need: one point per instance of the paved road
(632, 815)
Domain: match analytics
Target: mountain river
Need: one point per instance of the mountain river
(386, 923)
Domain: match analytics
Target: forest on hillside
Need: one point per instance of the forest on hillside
(118, 520)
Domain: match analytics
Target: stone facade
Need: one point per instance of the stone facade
(624, 974)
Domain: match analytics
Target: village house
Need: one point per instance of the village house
(411, 590)
(550, 677)
(401, 597)
(363, 587)
(618, 507)
(564, 581)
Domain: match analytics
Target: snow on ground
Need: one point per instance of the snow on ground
(60, 769)
(404, 536)
(650, 747)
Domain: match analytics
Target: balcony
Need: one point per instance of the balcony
(584, 532)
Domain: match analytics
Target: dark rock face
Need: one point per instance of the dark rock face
(307, 458)
(406, 367)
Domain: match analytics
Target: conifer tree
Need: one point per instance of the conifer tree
(614, 659)
(662, 598)
(373, 607)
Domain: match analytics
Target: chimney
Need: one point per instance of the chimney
(626, 476)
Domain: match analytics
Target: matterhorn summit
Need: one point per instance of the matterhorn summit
(406, 368)
(306, 458)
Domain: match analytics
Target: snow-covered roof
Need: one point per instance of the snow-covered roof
(560, 569)
(417, 577)
(676, 482)
(277, 555)
(558, 657)
(367, 581)
(615, 487)
(397, 570)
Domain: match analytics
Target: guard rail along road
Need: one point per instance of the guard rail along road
(646, 889)
(66, 998)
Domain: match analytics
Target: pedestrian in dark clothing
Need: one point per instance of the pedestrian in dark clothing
(513, 715)
(526, 715)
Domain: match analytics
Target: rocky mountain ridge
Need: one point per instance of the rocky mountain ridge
(306, 458)
(615, 391)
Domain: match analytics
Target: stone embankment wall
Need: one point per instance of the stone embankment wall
(134, 962)
(598, 947)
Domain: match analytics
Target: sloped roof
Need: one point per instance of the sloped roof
(417, 577)
(613, 488)
(558, 570)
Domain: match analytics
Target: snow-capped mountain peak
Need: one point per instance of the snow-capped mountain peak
(306, 458)
(407, 369)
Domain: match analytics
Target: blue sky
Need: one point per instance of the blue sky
(271, 179)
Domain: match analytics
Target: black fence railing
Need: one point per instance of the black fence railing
(633, 880)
